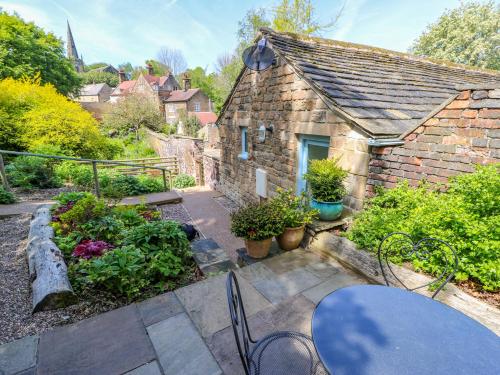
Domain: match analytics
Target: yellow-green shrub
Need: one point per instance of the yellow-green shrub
(33, 115)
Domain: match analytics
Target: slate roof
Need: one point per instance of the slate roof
(181, 95)
(384, 92)
(92, 89)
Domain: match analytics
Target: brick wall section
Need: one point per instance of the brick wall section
(464, 133)
(280, 97)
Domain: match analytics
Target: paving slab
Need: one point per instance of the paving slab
(206, 303)
(180, 348)
(18, 355)
(324, 269)
(20, 208)
(291, 260)
(30, 371)
(340, 280)
(112, 343)
(210, 258)
(159, 308)
(151, 368)
(165, 197)
(282, 286)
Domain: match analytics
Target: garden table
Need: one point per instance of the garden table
(378, 330)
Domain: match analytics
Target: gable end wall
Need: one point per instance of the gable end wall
(464, 133)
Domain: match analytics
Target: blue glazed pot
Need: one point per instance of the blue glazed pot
(328, 211)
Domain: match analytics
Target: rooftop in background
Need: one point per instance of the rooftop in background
(206, 117)
(181, 95)
(92, 89)
(384, 92)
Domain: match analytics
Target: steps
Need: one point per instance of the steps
(209, 256)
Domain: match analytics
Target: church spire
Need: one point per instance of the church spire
(71, 51)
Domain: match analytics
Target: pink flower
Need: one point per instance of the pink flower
(88, 249)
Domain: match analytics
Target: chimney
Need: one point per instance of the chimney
(187, 82)
(150, 69)
(121, 75)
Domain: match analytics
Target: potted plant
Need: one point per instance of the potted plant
(295, 213)
(326, 182)
(257, 224)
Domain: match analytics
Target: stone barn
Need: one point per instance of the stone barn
(324, 98)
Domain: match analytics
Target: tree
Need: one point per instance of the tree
(189, 125)
(93, 66)
(159, 69)
(99, 77)
(466, 35)
(132, 113)
(27, 50)
(34, 115)
(173, 58)
(249, 27)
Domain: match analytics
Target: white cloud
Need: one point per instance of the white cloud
(29, 13)
(349, 18)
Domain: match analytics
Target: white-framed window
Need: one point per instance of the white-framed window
(171, 108)
(244, 143)
(197, 106)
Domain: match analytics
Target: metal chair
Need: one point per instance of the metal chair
(400, 245)
(279, 353)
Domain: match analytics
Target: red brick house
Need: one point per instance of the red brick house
(385, 114)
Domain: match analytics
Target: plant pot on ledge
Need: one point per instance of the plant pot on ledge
(326, 182)
(291, 238)
(258, 249)
(328, 211)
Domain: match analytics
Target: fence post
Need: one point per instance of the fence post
(3, 174)
(164, 180)
(96, 179)
(170, 179)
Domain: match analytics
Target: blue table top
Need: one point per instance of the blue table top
(374, 329)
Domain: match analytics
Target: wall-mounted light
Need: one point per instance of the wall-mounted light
(262, 131)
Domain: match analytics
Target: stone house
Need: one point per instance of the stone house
(190, 101)
(324, 98)
(94, 93)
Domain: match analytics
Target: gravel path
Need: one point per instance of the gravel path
(39, 194)
(175, 211)
(15, 295)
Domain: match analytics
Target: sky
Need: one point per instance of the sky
(117, 31)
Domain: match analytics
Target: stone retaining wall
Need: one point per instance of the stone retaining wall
(211, 168)
(466, 131)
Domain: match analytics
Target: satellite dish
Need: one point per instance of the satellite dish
(258, 57)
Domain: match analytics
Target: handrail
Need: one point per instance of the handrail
(94, 163)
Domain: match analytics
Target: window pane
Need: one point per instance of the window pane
(317, 152)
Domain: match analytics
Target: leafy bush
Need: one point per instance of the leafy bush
(294, 210)
(122, 186)
(84, 210)
(6, 197)
(30, 172)
(72, 196)
(256, 222)
(184, 181)
(34, 115)
(326, 180)
(467, 216)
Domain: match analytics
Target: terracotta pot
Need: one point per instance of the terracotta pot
(258, 249)
(290, 239)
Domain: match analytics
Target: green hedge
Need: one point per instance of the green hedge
(467, 216)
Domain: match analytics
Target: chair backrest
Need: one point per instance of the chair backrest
(400, 247)
(239, 320)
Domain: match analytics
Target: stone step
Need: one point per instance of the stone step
(246, 260)
(210, 257)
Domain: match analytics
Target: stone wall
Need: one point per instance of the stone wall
(464, 132)
(189, 152)
(211, 168)
(280, 97)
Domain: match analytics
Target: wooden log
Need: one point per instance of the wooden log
(48, 272)
(345, 251)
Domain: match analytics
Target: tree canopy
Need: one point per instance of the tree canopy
(26, 50)
(34, 115)
(99, 77)
(466, 35)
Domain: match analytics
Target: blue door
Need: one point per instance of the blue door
(310, 148)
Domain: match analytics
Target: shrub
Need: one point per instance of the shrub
(184, 181)
(6, 197)
(72, 196)
(326, 180)
(30, 172)
(159, 236)
(256, 222)
(119, 186)
(85, 209)
(466, 216)
(294, 210)
(34, 115)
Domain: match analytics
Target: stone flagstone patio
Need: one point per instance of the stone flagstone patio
(186, 331)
